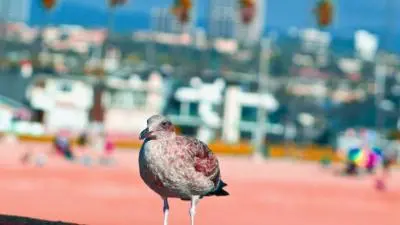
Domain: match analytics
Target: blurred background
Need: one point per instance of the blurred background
(229, 71)
(294, 79)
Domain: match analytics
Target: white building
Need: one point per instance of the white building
(64, 104)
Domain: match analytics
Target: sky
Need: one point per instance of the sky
(371, 15)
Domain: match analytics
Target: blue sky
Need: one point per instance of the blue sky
(281, 14)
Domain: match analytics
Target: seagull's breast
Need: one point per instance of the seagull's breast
(167, 170)
(150, 168)
(157, 170)
(150, 160)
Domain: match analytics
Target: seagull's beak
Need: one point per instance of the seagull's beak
(144, 134)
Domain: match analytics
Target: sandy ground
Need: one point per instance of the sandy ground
(268, 193)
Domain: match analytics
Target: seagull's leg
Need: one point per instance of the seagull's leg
(166, 211)
(192, 211)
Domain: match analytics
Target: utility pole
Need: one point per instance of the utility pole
(206, 55)
(110, 27)
(112, 5)
(155, 25)
(263, 72)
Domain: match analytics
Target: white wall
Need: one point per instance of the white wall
(65, 118)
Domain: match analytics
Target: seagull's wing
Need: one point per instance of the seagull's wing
(200, 157)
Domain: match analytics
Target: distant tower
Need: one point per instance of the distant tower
(162, 20)
(15, 10)
(223, 20)
(12, 11)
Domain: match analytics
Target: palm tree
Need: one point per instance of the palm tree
(112, 5)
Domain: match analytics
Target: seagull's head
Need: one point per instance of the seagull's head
(158, 127)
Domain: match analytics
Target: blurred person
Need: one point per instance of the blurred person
(101, 148)
(97, 142)
(40, 158)
(352, 161)
(371, 153)
(82, 139)
(83, 148)
(26, 156)
(82, 142)
(62, 146)
(373, 158)
(109, 149)
(383, 170)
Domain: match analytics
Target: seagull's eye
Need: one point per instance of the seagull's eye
(166, 123)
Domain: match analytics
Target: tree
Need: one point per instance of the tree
(181, 9)
(324, 13)
(115, 3)
(49, 4)
(247, 10)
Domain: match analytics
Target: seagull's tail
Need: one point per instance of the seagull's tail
(219, 191)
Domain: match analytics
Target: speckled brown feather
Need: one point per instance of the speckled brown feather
(204, 161)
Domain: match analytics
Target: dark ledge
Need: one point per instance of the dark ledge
(18, 220)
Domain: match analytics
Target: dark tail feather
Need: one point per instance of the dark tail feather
(223, 184)
(220, 190)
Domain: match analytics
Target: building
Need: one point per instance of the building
(15, 10)
(252, 33)
(162, 20)
(61, 103)
(12, 11)
(222, 19)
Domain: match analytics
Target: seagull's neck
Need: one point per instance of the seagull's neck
(166, 138)
(162, 136)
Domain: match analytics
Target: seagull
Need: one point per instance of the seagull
(176, 166)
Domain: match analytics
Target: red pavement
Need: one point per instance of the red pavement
(270, 193)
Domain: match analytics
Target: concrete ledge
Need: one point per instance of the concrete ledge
(8, 219)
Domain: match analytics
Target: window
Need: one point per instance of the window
(122, 99)
(65, 86)
(40, 83)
